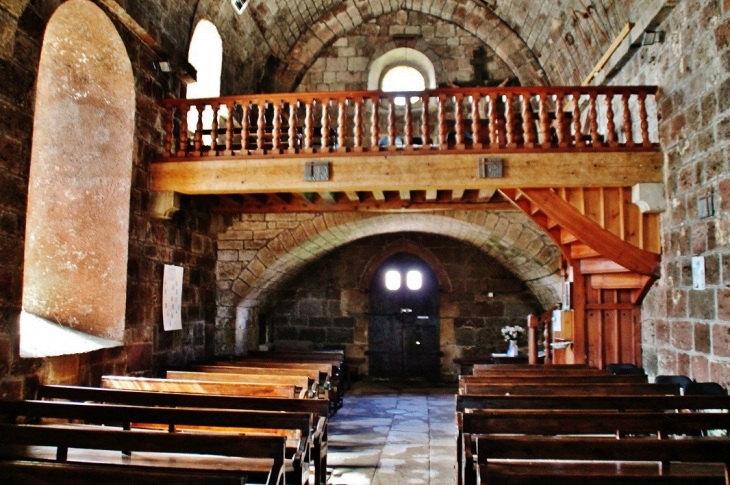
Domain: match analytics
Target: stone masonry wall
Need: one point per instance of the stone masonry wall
(686, 330)
(185, 240)
(345, 65)
(325, 304)
(260, 254)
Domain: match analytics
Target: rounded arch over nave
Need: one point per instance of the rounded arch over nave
(259, 253)
(477, 20)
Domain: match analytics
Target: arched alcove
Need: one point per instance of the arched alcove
(206, 56)
(402, 56)
(77, 225)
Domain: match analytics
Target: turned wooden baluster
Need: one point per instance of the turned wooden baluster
(425, 129)
(544, 122)
(628, 133)
(458, 122)
(476, 121)
(229, 129)
(341, 128)
(610, 124)
(408, 132)
(560, 121)
(276, 129)
(644, 120)
(593, 118)
(391, 122)
(214, 132)
(168, 132)
(308, 126)
(245, 126)
(357, 129)
(510, 121)
(293, 105)
(577, 135)
(261, 133)
(375, 127)
(532, 323)
(325, 125)
(527, 124)
(493, 135)
(198, 140)
(443, 140)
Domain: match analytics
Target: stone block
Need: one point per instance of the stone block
(720, 373)
(702, 342)
(682, 335)
(721, 340)
(702, 304)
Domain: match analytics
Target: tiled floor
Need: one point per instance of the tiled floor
(392, 434)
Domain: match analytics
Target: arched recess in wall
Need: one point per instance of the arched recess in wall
(77, 225)
(401, 56)
(206, 56)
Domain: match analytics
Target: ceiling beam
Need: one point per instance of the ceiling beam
(379, 173)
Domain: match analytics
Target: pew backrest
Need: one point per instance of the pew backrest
(198, 387)
(545, 389)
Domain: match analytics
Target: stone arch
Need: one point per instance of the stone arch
(478, 20)
(77, 225)
(406, 246)
(250, 281)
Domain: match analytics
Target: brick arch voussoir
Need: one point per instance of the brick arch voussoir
(479, 21)
(529, 254)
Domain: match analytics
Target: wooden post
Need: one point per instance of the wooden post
(325, 126)
(548, 338)
(532, 322)
(245, 127)
(341, 128)
(458, 122)
(493, 140)
(375, 126)
(544, 138)
(610, 124)
(475, 121)
(229, 130)
(443, 141)
(357, 129)
(292, 127)
(391, 122)
(643, 119)
(425, 130)
(276, 129)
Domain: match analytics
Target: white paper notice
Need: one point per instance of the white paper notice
(698, 273)
(172, 283)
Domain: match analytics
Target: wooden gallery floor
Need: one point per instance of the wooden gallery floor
(392, 434)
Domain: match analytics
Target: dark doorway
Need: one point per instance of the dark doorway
(404, 321)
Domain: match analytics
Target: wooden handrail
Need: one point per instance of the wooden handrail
(506, 119)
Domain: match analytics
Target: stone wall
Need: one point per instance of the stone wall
(345, 65)
(327, 306)
(686, 330)
(185, 240)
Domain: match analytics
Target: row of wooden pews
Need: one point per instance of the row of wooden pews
(232, 422)
(521, 424)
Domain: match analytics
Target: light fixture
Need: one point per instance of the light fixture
(392, 280)
(239, 5)
(651, 38)
(162, 64)
(414, 280)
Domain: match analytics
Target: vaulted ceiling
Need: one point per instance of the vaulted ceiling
(555, 41)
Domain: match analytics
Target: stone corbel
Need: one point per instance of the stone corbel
(649, 197)
(163, 205)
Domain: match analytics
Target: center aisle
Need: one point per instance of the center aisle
(390, 434)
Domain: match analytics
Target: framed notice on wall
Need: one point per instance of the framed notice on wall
(172, 282)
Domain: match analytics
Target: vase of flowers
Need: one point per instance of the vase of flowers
(511, 334)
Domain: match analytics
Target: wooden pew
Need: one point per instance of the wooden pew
(199, 387)
(544, 389)
(587, 422)
(572, 402)
(590, 460)
(25, 453)
(553, 379)
(298, 426)
(330, 376)
(268, 371)
(299, 382)
(530, 370)
(319, 408)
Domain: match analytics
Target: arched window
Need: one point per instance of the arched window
(206, 56)
(400, 63)
(77, 224)
(402, 78)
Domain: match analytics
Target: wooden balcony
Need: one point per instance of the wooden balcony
(396, 151)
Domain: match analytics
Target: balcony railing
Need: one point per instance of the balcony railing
(523, 119)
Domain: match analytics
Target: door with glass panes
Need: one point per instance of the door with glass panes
(404, 324)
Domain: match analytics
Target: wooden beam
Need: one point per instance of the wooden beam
(617, 281)
(327, 196)
(301, 204)
(485, 194)
(592, 234)
(405, 195)
(600, 265)
(379, 195)
(457, 194)
(415, 172)
(607, 55)
(352, 196)
(431, 195)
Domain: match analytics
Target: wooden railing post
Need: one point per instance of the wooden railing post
(544, 136)
(214, 131)
(169, 125)
(245, 126)
(643, 119)
(610, 124)
(229, 129)
(325, 125)
(577, 133)
(458, 122)
(276, 129)
(510, 120)
(593, 120)
(198, 140)
(425, 129)
(493, 135)
(375, 127)
(408, 129)
(443, 140)
(476, 126)
(308, 126)
(293, 106)
(391, 122)
(357, 128)
(532, 322)
(261, 125)
(527, 124)
(341, 127)
(560, 121)
(628, 132)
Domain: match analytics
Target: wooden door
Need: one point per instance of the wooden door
(404, 323)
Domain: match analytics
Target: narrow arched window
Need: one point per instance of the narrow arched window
(206, 56)
(77, 224)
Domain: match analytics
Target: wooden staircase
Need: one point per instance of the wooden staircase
(613, 251)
